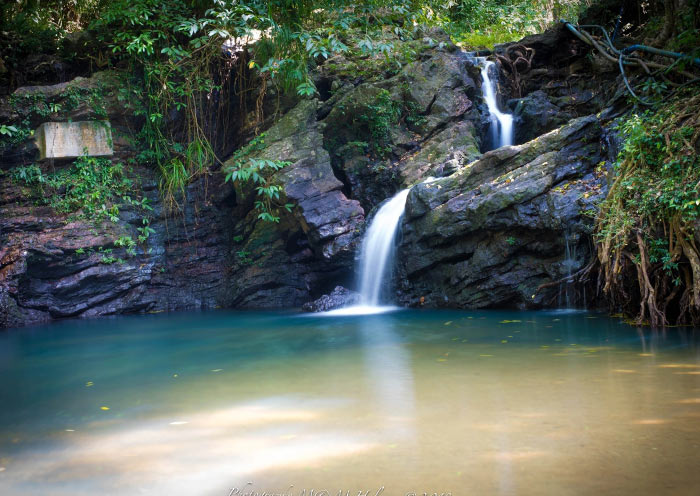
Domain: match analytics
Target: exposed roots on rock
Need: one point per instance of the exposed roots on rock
(518, 60)
(645, 229)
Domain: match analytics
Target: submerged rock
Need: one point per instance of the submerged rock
(338, 298)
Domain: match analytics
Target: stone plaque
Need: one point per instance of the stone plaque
(74, 139)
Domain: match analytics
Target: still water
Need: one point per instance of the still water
(467, 403)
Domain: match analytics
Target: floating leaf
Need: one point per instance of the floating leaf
(89, 384)
(105, 408)
(448, 322)
(509, 321)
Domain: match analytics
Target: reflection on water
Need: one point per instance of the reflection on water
(475, 403)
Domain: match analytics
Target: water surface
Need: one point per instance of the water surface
(467, 403)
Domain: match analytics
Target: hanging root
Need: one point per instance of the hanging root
(645, 227)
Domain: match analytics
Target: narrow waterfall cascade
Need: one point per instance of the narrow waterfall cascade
(566, 288)
(376, 257)
(377, 248)
(501, 123)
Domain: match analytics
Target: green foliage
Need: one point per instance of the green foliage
(126, 242)
(380, 117)
(243, 168)
(649, 215)
(9, 131)
(658, 176)
(90, 187)
(145, 231)
(244, 257)
(485, 23)
(182, 54)
(29, 174)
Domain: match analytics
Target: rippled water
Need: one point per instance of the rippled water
(467, 403)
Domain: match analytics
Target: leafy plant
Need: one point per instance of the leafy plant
(243, 168)
(649, 215)
(8, 130)
(379, 117)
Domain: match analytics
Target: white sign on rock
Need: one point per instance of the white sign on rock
(74, 139)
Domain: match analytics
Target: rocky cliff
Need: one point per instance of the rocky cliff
(489, 232)
(499, 230)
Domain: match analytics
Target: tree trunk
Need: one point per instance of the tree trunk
(667, 31)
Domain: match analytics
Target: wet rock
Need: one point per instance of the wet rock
(535, 114)
(53, 267)
(497, 230)
(443, 154)
(384, 135)
(338, 298)
(278, 265)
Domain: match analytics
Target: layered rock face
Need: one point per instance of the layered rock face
(55, 267)
(496, 232)
(58, 265)
(338, 298)
(279, 265)
(489, 232)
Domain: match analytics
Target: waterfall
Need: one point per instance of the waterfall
(376, 257)
(377, 248)
(564, 299)
(501, 123)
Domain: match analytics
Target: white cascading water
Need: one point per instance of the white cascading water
(376, 257)
(377, 248)
(501, 123)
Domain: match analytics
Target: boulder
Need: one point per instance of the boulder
(535, 114)
(338, 298)
(500, 228)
